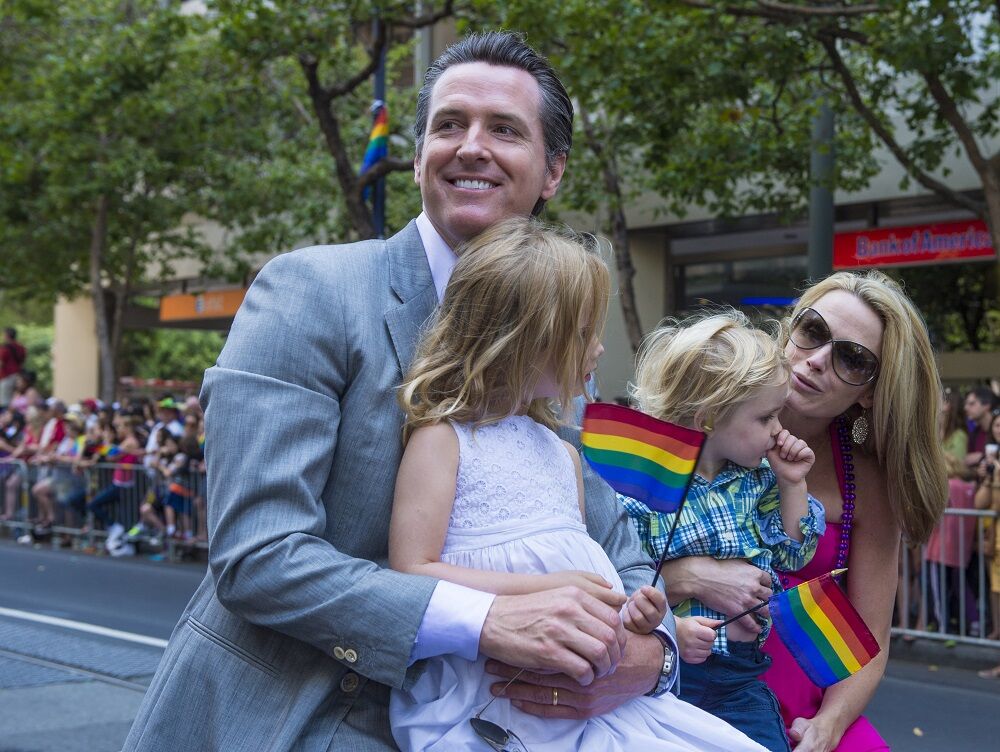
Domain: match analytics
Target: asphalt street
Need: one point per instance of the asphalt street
(80, 637)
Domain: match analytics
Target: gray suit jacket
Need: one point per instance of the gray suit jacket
(298, 631)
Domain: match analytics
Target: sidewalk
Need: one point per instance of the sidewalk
(941, 653)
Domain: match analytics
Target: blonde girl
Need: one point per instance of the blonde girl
(488, 496)
(717, 373)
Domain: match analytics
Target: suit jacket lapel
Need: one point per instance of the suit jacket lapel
(413, 286)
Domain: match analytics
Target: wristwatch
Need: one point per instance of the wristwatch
(667, 670)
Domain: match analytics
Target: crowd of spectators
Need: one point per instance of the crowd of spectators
(952, 585)
(134, 470)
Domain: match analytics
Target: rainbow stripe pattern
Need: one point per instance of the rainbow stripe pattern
(378, 140)
(648, 459)
(821, 628)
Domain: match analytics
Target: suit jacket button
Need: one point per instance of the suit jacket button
(339, 653)
(351, 655)
(350, 682)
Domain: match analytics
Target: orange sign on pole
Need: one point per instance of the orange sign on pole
(216, 304)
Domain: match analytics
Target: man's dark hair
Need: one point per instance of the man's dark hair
(507, 49)
(10, 332)
(984, 395)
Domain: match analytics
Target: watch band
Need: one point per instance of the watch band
(666, 670)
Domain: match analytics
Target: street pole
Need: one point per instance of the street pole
(820, 259)
(378, 205)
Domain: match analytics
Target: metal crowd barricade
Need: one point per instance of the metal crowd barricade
(16, 477)
(113, 494)
(946, 596)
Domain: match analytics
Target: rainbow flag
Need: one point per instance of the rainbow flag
(108, 451)
(648, 459)
(821, 628)
(378, 140)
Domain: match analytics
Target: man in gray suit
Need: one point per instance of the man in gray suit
(298, 631)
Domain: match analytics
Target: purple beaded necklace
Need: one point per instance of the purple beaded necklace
(845, 477)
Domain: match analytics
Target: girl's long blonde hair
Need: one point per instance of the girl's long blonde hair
(904, 435)
(513, 306)
(694, 372)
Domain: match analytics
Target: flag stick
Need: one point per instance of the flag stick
(731, 619)
(740, 615)
(677, 514)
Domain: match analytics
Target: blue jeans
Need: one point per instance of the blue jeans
(729, 687)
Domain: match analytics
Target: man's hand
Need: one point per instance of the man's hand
(724, 585)
(533, 692)
(563, 631)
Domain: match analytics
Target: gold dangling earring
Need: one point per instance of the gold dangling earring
(859, 429)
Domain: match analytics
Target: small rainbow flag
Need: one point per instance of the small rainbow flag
(648, 459)
(821, 628)
(108, 451)
(378, 140)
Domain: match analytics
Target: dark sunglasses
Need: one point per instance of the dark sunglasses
(854, 364)
(499, 738)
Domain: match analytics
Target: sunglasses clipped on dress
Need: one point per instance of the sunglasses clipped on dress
(853, 363)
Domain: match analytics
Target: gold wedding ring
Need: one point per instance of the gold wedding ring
(555, 696)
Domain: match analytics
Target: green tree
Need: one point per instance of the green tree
(920, 75)
(681, 106)
(336, 47)
(128, 125)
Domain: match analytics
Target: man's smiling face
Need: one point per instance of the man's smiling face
(483, 154)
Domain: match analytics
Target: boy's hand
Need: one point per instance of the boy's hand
(695, 637)
(644, 610)
(790, 458)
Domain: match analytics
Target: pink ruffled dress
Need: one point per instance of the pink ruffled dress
(797, 695)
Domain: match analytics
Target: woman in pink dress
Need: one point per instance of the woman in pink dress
(865, 393)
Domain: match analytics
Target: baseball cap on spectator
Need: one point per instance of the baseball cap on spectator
(168, 403)
(73, 419)
(89, 404)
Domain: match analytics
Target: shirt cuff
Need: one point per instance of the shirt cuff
(675, 671)
(452, 622)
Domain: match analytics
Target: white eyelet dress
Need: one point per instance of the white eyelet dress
(516, 510)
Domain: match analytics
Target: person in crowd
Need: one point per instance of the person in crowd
(949, 551)
(122, 445)
(63, 483)
(298, 543)
(89, 409)
(747, 500)
(489, 497)
(168, 417)
(987, 496)
(152, 524)
(979, 404)
(11, 427)
(176, 457)
(25, 393)
(12, 357)
(28, 445)
(953, 430)
(865, 393)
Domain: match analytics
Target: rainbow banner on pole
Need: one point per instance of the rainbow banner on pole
(648, 459)
(378, 140)
(821, 628)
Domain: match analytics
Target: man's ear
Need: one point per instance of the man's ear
(553, 176)
(416, 169)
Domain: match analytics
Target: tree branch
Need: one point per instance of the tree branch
(949, 110)
(347, 86)
(887, 138)
(382, 168)
(838, 11)
(427, 19)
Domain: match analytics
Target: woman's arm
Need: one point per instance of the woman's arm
(871, 585)
(425, 493)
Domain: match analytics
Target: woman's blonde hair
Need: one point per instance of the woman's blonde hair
(695, 371)
(513, 305)
(904, 435)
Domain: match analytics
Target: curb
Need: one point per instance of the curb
(942, 653)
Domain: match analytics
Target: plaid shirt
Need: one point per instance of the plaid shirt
(735, 516)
